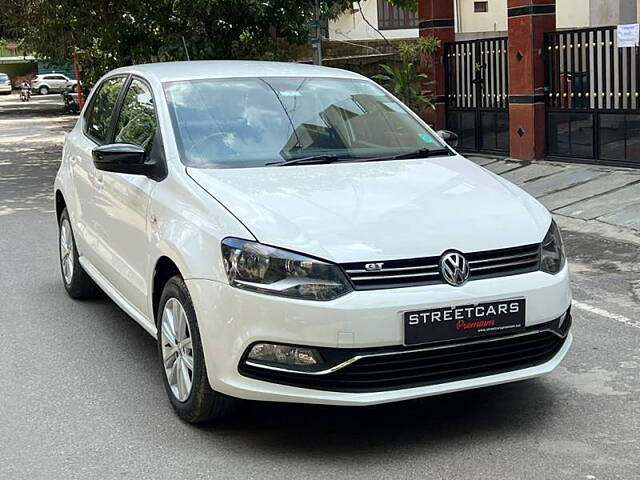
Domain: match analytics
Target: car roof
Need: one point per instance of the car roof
(201, 69)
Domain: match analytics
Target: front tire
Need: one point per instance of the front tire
(43, 90)
(77, 282)
(180, 354)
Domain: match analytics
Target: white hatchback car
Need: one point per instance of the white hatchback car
(294, 233)
(52, 82)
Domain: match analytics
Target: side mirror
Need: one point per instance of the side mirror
(450, 137)
(122, 158)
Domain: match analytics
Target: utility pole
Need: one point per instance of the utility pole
(76, 67)
(316, 41)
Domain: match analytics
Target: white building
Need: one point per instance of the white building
(472, 16)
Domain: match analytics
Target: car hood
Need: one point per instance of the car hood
(349, 212)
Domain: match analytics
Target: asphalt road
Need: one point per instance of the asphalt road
(81, 393)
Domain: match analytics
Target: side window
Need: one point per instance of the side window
(137, 121)
(101, 109)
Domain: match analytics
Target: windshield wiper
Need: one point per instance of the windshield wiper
(314, 159)
(421, 153)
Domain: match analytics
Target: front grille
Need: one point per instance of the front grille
(401, 367)
(425, 271)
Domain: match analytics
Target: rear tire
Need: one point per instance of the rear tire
(180, 354)
(43, 90)
(77, 282)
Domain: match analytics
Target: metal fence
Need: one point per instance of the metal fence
(592, 96)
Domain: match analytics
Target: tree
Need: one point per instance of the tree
(112, 33)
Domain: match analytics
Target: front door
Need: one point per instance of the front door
(95, 128)
(122, 201)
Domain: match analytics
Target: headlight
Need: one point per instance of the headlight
(552, 251)
(264, 269)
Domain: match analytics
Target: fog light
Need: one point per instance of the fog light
(285, 354)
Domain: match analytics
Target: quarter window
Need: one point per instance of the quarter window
(137, 121)
(101, 110)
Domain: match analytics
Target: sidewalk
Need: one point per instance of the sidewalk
(604, 200)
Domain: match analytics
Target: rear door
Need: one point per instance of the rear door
(58, 82)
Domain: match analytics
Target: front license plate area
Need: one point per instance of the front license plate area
(464, 321)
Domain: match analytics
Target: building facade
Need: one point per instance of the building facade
(474, 18)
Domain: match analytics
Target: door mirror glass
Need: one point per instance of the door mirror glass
(121, 158)
(450, 137)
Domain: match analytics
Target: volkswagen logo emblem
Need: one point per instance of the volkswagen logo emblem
(454, 268)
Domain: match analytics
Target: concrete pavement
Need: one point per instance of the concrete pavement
(81, 395)
(604, 196)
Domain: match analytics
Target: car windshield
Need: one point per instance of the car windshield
(4, 76)
(250, 122)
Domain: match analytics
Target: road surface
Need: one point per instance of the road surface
(81, 393)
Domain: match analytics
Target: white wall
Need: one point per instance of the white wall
(572, 13)
(494, 20)
(351, 26)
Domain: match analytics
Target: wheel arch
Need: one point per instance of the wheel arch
(60, 204)
(164, 269)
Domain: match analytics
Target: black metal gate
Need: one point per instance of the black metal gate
(593, 100)
(476, 92)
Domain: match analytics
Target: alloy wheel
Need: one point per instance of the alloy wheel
(177, 349)
(66, 251)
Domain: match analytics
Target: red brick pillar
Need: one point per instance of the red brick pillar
(528, 21)
(436, 20)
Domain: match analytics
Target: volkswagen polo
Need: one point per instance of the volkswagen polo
(294, 233)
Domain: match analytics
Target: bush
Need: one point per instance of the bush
(405, 79)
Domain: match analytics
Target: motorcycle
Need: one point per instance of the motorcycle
(25, 92)
(70, 99)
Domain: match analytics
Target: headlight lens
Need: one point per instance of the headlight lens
(253, 266)
(552, 254)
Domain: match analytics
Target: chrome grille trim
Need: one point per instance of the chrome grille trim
(425, 271)
(509, 257)
(501, 265)
(406, 275)
(402, 269)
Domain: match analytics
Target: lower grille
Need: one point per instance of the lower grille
(402, 367)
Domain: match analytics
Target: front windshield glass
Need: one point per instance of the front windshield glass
(249, 122)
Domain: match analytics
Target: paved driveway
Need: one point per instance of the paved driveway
(81, 394)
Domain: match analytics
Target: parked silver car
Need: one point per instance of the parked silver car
(5, 84)
(52, 82)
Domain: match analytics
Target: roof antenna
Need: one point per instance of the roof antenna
(186, 51)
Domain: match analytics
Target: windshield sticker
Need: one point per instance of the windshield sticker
(426, 138)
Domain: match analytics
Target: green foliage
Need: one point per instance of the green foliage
(114, 33)
(405, 79)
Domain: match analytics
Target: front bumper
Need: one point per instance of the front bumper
(230, 320)
(5, 88)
